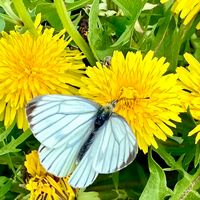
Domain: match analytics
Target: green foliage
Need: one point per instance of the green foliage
(170, 172)
(2, 24)
(104, 35)
(156, 187)
(5, 185)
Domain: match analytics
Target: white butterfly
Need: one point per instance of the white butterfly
(75, 131)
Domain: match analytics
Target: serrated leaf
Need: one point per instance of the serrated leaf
(187, 187)
(130, 8)
(101, 41)
(156, 187)
(124, 38)
(11, 147)
(4, 133)
(193, 195)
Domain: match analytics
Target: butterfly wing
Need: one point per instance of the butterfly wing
(117, 146)
(84, 174)
(113, 148)
(59, 161)
(63, 123)
(57, 120)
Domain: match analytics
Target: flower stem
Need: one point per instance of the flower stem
(68, 25)
(25, 17)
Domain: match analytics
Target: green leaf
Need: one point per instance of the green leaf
(187, 187)
(161, 40)
(130, 8)
(94, 32)
(156, 187)
(197, 155)
(4, 133)
(125, 37)
(2, 24)
(5, 185)
(100, 33)
(195, 41)
(78, 4)
(16, 158)
(11, 147)
(166, 156)
(98, 38)
(93, 18)
(49, 13)
(115, 178)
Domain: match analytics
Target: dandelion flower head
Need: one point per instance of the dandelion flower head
(32, 66)
(190, 81)
(187, 10)
(148, 97)
(43, 185)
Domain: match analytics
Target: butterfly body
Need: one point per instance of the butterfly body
(74, 131)
(103, 114)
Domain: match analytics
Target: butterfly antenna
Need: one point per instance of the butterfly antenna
(125, 99)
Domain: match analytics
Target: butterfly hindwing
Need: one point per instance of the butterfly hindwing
(113, 148)
(59, 161)
(56, 120)
(117, 146)
(84, 174)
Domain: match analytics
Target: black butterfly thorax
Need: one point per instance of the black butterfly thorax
(103, 114)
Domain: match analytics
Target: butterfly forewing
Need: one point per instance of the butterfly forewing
(56, 119)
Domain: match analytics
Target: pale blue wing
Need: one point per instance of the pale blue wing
(57, 120)
(60, 161)
(116, 147)
(84, 174)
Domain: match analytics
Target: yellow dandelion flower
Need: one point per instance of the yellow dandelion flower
(163, 1)
(148, 97)
(190, 81)
(187, 10)
(43, 185)
(32, 66)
